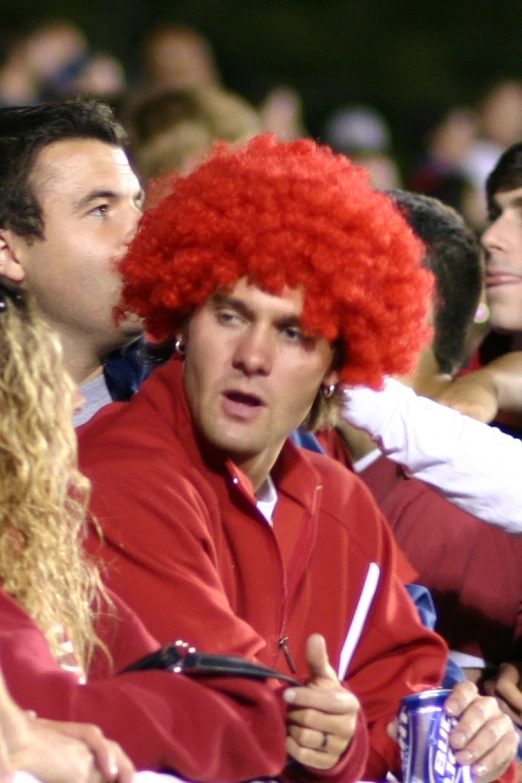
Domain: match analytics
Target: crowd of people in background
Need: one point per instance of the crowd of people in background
(177, 82)
(267, 344)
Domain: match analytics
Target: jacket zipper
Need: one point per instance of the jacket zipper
(283, 641)
(283, 645)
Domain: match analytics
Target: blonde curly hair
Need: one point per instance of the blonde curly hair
(43, 496)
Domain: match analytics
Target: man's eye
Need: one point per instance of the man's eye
(494, 211)
(101, 209)
(227, 317)
(294, 334)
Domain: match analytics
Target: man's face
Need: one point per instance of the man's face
(502, 241)
(251, 374)
(91, 202)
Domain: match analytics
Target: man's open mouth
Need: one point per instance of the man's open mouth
(243, 399)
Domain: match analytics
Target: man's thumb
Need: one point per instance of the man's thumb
(317, 659)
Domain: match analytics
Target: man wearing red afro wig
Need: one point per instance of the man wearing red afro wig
(279, 273)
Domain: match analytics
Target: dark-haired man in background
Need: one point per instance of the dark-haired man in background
(69, 205)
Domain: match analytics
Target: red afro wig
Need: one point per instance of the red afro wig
(287, 215)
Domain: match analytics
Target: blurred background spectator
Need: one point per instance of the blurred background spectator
(51, 61)
(321, 70)
(281, 112)
(364, 135)
(175, 56)
(463, 145)
(18, 84)
(55, 52)
(441, 171)
(499, 126)
(171, 130)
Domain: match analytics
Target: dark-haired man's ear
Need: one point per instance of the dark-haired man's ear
(10, 267)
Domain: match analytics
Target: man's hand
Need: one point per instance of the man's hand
(484, 736)
(506, 688)
(323, 717)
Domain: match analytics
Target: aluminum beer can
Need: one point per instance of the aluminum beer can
(424, 730)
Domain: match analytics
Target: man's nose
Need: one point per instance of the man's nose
(131, 224)
(495, 235)
(254, 353)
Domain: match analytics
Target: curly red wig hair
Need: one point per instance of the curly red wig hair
(287, 215)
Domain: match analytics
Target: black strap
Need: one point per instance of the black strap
(181, 657)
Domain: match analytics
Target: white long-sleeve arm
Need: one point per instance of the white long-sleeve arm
(476, 467)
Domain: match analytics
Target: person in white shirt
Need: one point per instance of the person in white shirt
(474, 466)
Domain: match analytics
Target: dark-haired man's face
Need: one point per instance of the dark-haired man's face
(502, 242)
(91, 203)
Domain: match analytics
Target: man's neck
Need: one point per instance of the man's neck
(81, 362)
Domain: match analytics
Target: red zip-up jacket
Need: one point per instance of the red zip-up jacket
(188, 549)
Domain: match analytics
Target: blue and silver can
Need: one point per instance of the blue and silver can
(424, 730)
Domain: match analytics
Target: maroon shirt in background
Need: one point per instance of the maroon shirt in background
(473, 570)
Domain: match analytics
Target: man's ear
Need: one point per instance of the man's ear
(9, 264)
(331, 378)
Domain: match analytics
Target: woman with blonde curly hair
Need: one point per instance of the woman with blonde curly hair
(43, 496)
(62, 638)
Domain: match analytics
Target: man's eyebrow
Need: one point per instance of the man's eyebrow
(94, 195)
(495, 203)
(290, 320)
(221, 299)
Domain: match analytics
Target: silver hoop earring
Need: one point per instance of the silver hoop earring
(328, 391)
(180, 347)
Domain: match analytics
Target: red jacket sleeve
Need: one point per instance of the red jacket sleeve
(219, 730)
